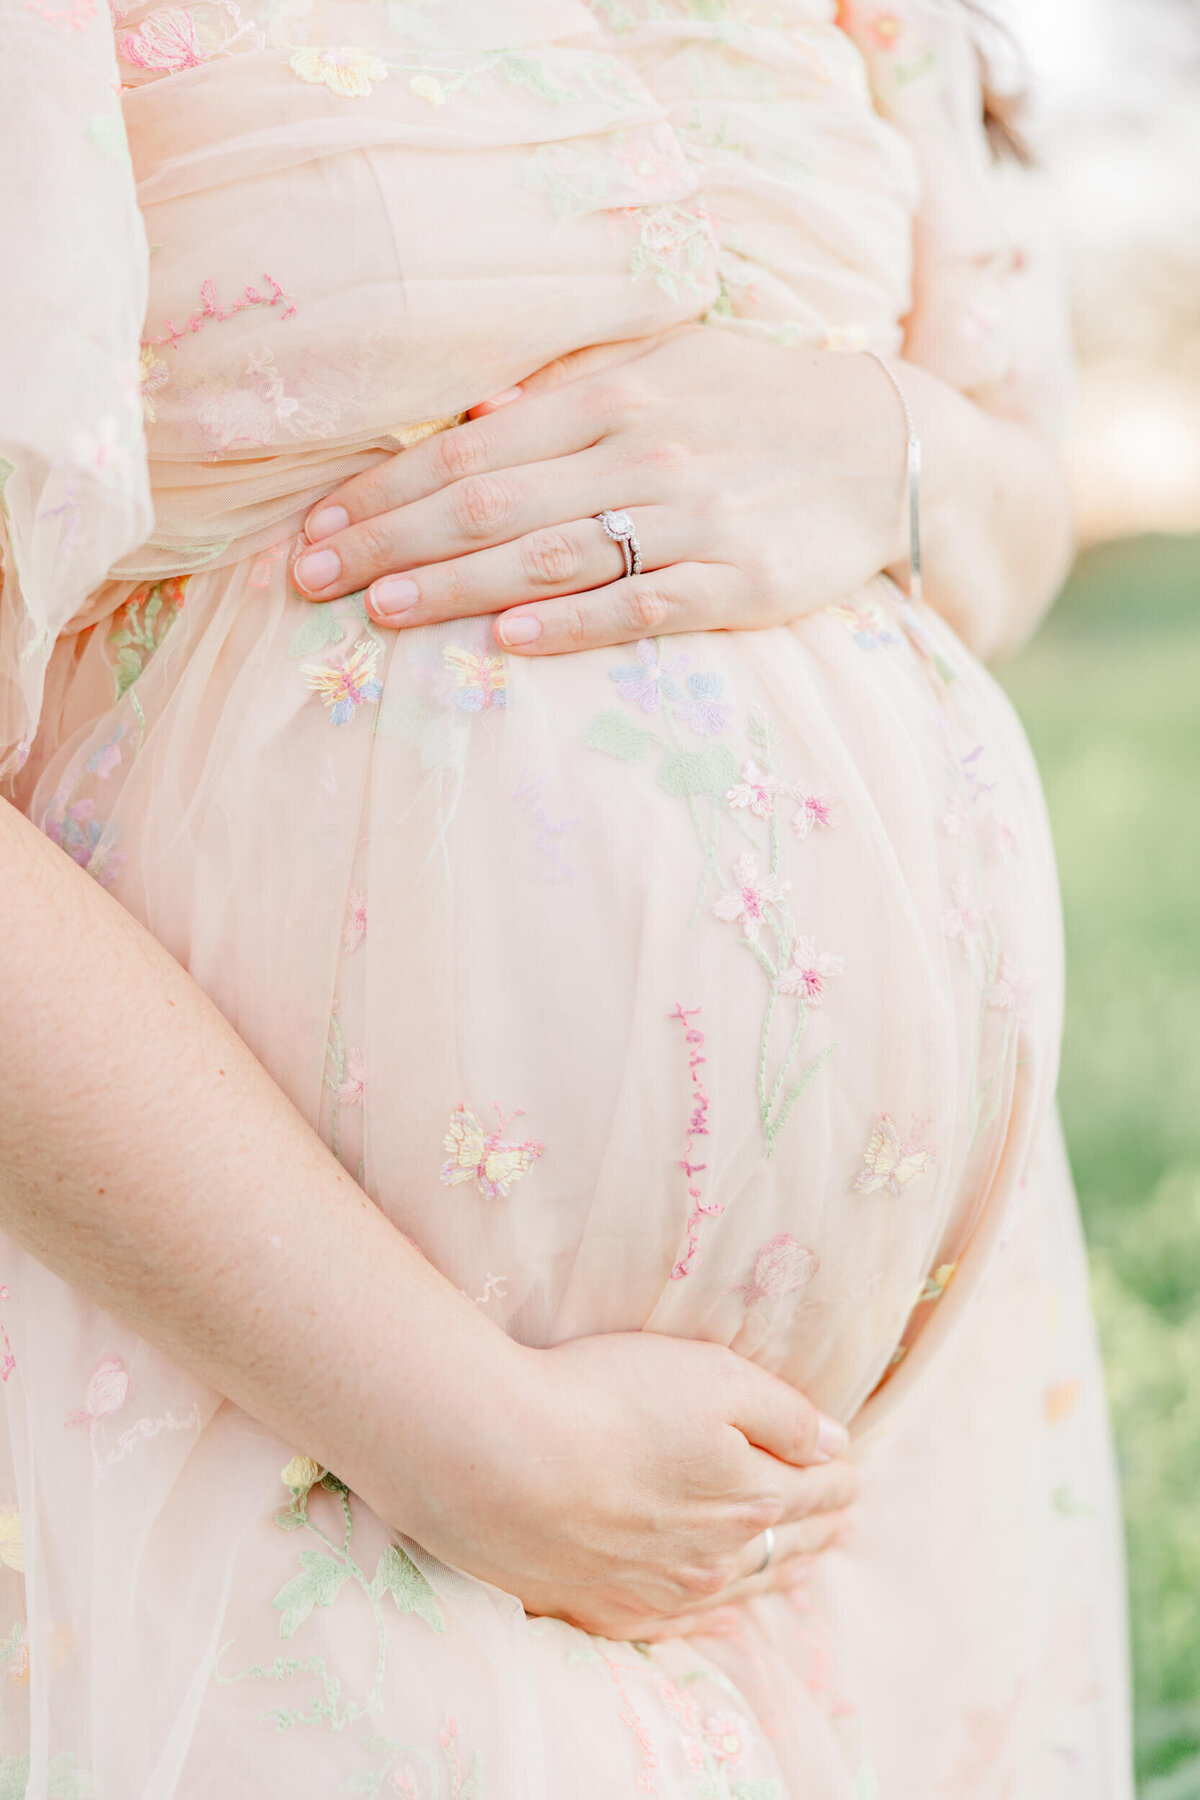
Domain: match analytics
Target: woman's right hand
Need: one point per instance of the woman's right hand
(635, 1479)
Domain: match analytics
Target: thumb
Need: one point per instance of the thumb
(777, 1418)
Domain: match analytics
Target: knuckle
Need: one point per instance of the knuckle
(457, 454)
(757, 1514)
(704, 1582)
(550, 557)
(651, 607)
(615, 397)
(481, 505)
(661, 456)
(370, 545)
(451, 587)
(571, 623)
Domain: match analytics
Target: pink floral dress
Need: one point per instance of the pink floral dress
(711, 985)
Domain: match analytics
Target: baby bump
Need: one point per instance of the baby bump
(683, 986)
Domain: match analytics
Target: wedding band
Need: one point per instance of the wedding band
(619, 527)
(768, 1549)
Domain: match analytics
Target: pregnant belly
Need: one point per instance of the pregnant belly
(689, 986)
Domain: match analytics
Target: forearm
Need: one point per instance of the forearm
(995, 516)
(148, 1159)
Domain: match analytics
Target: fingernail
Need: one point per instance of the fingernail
(832, 1439)
(522, 629)
(393, 595)
(312, 573)
(323, 524)
(504, 399)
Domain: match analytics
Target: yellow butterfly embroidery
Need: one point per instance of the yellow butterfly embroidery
(479, 681)
(887, 1163)
(492, 1163)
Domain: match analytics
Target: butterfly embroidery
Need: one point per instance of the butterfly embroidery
(867, 624)
(478, 680)
(493, 1163)
(887, 1163)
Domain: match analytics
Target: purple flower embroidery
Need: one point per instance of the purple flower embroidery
(652, 680)
(701, 707)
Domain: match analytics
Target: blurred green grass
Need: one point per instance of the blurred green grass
(1110, 694)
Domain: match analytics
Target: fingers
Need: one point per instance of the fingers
(777, 1418)
(559, 559)
(468, 515)
(805, 1493)
(687, 596)
(506, 437)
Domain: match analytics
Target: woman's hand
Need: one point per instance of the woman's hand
(761, 482)
(633, 1482)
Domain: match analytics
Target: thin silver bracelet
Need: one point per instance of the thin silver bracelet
(913, 477)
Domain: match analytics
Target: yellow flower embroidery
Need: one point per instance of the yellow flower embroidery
(12, 1553)
(301, 1473)
(349, 71)
(428, 87)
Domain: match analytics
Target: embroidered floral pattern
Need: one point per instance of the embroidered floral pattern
(492, 1163)
(348, 71)
(808, 972)
(753, 895)
(479, 681)
(347, 683)
(651, 680)
(816, 812)
(324, 1572)
(782, 1266)
(138, 627)
(867, 624)
(355, 928)
(707, 778)
(889, 1163)
(12, 1550)
(697, 1127)
(701, 708)
(107, 1392)
(71, 824)
(551, 832)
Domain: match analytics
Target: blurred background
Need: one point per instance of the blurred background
(1110, 694)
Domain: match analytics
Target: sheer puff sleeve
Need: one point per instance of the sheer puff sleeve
(74, 493)
(989, 311)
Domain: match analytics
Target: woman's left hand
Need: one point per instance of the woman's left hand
(761, 483)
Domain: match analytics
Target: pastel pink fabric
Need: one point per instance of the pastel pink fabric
(711, 985)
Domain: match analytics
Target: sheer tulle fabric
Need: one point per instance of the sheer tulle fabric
(711, 985)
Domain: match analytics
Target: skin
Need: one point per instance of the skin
(763, 483)
(225, 1233)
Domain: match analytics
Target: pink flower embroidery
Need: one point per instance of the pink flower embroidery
(810, 969)
(964, 920)
(347, 683)
(1010, 989)
(890, 1164)
(166, 39)
(107, 1391)
(783, 1265)
(350, 1091)
(816, 812)
(725, 1735)
(756, 789)
(753, 894)
(356, 922)
(646, 685)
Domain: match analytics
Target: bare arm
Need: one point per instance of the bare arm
(148, 1159)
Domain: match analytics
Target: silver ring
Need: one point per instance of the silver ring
(619, 527)
(768, 1549)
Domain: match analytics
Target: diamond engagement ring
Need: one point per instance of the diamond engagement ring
(619, 527)
(768, 1549)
